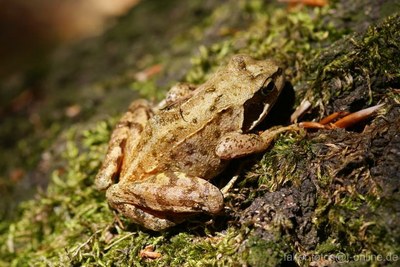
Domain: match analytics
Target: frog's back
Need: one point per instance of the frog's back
(170, 142)
(184, 136)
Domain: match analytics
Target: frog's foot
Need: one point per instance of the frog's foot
(120, 145)
(165, 199)
(344, 119)
(155, 222)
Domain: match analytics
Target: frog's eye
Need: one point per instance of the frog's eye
(257, 107)
(268, 88)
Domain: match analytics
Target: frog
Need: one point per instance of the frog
(161, 159)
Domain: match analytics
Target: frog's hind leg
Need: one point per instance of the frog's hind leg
(152, 221)
(131, 124)
(177, 94)
(168, 196)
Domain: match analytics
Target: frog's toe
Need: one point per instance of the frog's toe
(150, 221)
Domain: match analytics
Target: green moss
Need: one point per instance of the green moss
(265, 253)
(67, 212)
(368, 60)
(292, 38)
(70, 223)
(281, 164)
(149, 90)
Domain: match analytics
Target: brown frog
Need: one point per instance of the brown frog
(160, 159)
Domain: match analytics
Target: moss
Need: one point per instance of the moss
(310, 194)
(265, 253)
(148, 89)
(67, 211)
(292, 38)
(359, 60)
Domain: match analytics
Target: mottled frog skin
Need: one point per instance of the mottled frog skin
(160, 159)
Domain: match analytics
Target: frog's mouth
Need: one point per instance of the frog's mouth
(257, 107)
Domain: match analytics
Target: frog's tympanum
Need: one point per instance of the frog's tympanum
(160, 159)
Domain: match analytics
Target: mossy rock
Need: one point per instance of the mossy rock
(314, 198)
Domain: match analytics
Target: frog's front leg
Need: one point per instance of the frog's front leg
(123, 141)
(162, 200)
(235, 145)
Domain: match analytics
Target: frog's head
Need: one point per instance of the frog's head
(261, 82)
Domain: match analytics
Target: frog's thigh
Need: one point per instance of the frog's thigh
(169, 192)
(121, 141)
(177, 93)
(234, 145)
